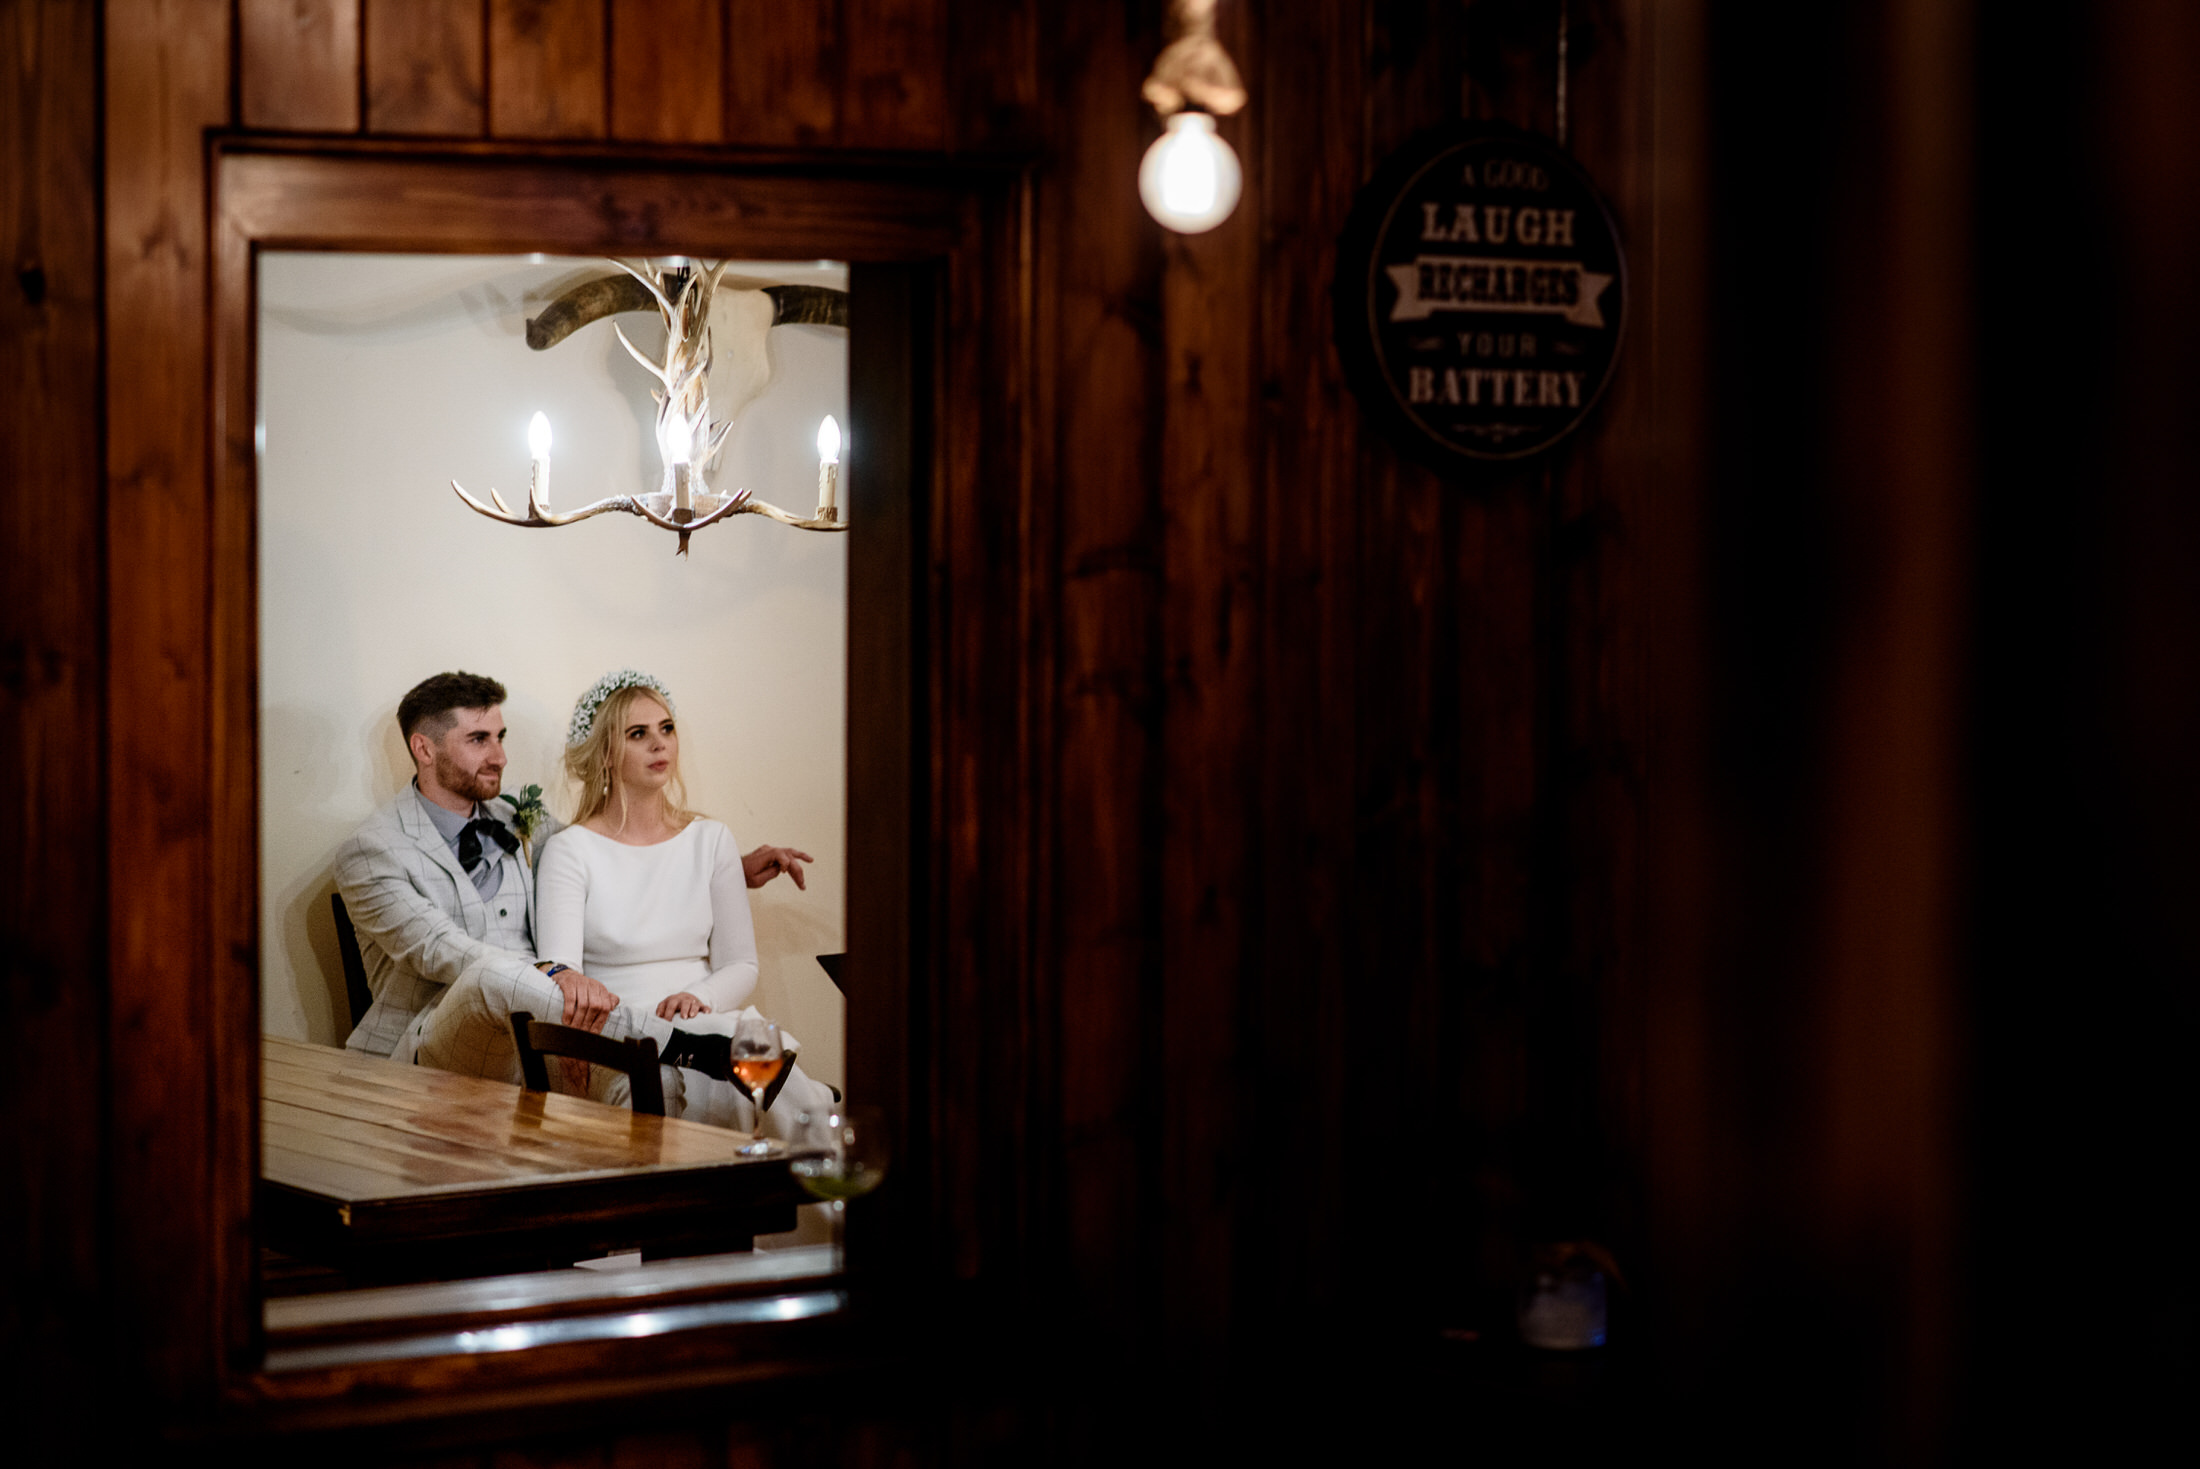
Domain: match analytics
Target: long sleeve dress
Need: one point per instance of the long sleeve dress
(647, 922)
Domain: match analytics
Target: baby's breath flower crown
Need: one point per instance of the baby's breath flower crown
(584, 710)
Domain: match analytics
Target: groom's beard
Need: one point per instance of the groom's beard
(474, 785)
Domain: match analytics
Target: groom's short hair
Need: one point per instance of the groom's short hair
(431, 707)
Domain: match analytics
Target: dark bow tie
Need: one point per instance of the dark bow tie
(469, 840)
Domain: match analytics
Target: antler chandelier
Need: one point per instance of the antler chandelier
(687, 437)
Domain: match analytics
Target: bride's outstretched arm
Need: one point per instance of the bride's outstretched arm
(732, 933)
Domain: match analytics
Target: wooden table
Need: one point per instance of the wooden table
(390, 1172)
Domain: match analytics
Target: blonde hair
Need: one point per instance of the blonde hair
(592, 764)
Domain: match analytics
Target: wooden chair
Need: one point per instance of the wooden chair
(355, 968)
(637, 1058)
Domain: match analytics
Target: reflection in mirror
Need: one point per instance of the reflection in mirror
(384, 378)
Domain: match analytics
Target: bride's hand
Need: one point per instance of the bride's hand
(680, 1007)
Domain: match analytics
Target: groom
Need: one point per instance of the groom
(444, 909)
(433, 881)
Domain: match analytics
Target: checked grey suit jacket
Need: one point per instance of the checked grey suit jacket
(420, 922)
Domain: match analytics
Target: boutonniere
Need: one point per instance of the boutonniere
(527, 814)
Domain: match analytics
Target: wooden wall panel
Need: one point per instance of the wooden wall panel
(424, 67)
(546, 68)
(894, 91)
(1099, 282)
(1307, 154)
(1212, 520)
(1304, 709)
(994, 75)
(782, 74)
(52, 702)
(298, 63)
(167, 79)
(1604, 514)
(667, 70)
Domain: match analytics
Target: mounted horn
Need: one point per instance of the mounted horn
(613, 295)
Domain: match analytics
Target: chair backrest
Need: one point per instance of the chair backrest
(355, 968)
(637, 1058)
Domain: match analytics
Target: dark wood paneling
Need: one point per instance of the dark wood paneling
(52, 699)
(167, 79)
(1606, 505)
(1212, 521)
(1307, 153)
(1802, 1086)
(1101, 285)
(782, 73)
(766, 216)
(894, 82)
(994, 75)
(298, 64)
(424, 67)
(667, 68)
(889, 799)
(998, 537)
(1258, 741)
(546, 68)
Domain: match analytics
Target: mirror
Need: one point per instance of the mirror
(381, 378)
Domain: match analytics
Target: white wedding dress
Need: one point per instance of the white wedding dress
(648, 922)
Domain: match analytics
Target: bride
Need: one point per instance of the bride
(640, 893)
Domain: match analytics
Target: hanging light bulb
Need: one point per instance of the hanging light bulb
(1190, 178)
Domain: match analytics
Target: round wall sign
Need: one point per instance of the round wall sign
(1480, 294)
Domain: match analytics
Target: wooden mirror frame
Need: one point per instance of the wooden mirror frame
(939, 296)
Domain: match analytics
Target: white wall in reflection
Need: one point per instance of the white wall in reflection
(381, 379)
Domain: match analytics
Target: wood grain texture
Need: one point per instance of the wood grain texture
(589, 211)
(667, 71)
(783, 65)
(53, 687)
(425, 71)
(890, 1037)
(1310, 155)
(994, 76)
(1238, 734)
(1101, 283)
(991, 558)
(1212, 521)
(166, 80)
(298, 64)
(548, 71)
(1605, 711)
(894, 87)
(395, 1170)
(232, 865)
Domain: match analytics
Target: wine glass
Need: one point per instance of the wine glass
(758, 1056)
(845, 1158)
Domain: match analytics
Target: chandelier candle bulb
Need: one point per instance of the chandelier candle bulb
(538, 448)
(828, 469)
(679, 441)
